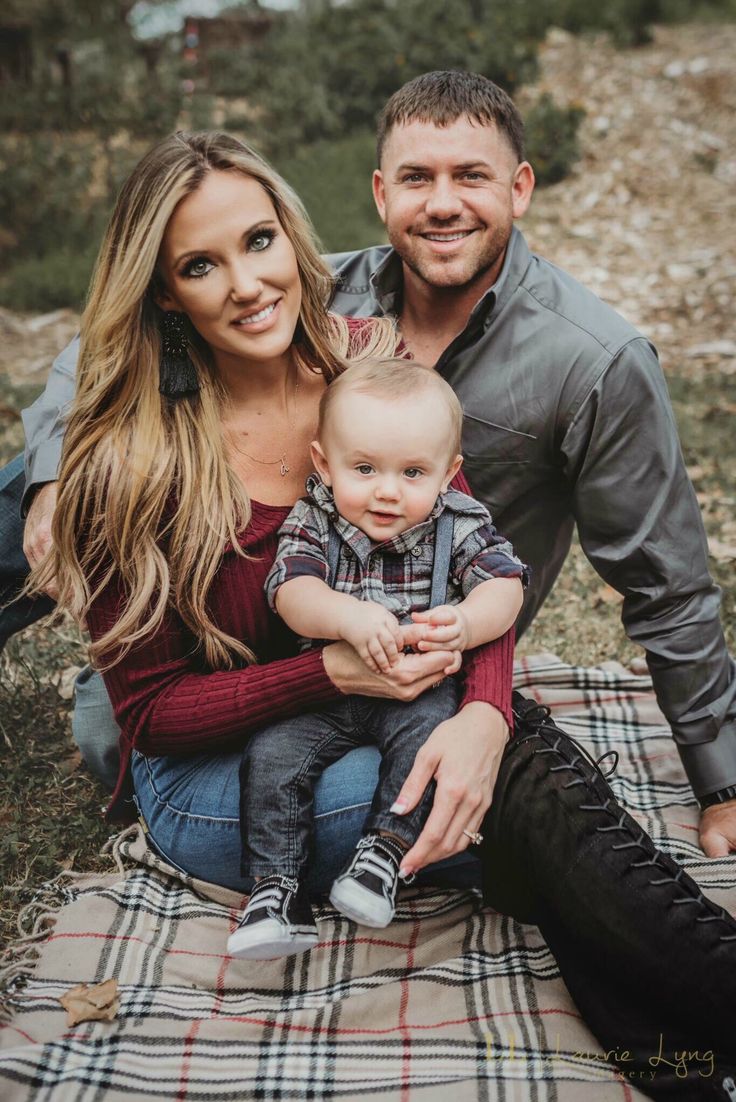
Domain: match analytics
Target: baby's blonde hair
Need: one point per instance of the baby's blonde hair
(392, 377)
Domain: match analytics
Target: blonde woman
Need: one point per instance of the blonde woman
(206, 346)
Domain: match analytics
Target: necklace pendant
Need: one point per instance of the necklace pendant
(284, 468)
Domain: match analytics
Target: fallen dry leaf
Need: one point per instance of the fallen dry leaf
(721, 552)
(607, 595)
(91, 1004)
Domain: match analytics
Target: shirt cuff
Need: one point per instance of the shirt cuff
(42, 465)
(488, 675)
(711, 766)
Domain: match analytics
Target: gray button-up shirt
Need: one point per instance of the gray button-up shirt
(567, 421)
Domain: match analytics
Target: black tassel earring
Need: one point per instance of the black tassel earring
(178, 375)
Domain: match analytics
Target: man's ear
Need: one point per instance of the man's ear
(379, 194)
(521, 189)
(320, 462)
(451, 472)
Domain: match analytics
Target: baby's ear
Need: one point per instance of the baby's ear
(451, 472)
(320, 462)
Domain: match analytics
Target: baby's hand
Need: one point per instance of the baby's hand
(375, 634)
(447, 628)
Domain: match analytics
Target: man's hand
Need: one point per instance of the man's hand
(463, 755)
(447, 628)
(718, 829)
(375, 634)
(37, 532)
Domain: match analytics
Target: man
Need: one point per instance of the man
(567, 415)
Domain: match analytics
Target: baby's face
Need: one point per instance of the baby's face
(386, 461)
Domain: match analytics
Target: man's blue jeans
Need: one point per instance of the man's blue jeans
(14, 614)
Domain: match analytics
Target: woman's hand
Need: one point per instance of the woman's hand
(463, 756)
(411, 675)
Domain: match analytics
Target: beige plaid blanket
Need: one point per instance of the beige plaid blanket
(451, 1001)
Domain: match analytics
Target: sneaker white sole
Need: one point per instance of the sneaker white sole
(266, 944)
(360, 905)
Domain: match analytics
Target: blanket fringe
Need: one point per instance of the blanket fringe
(36, 919)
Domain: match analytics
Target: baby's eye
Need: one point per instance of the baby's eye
(413, 472)
(197, 267)
(261, 240)
(364, 468)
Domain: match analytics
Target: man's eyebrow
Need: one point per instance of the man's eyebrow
(262, 223)
(464, 166)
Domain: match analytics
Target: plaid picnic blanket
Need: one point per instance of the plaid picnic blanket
(451, 1000)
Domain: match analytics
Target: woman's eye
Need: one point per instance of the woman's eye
(261, 240)
(413, 472)
(198, 267)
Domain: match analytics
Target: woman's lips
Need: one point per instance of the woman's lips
(258, 320)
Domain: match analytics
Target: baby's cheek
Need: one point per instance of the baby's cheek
(351, 502)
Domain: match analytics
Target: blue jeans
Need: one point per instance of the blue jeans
(191, 807)
(282, 762)
(15, 615)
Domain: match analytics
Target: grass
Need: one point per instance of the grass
(50, 808)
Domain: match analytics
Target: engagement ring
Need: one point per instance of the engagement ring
(475, 836)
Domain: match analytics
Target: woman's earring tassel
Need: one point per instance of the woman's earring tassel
(178, 375)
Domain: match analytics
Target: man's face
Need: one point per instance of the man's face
(448, 197)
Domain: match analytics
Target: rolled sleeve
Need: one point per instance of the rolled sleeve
(484, 554)
(302, 550)
(44, 422)
(640, 527)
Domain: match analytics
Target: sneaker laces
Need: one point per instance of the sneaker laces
(368, 860)
(269, 892)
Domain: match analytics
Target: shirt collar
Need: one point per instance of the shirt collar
(387, 282)
(358, 541)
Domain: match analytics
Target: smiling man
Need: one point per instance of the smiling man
(567, 417)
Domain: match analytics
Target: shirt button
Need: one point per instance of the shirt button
(416, 552)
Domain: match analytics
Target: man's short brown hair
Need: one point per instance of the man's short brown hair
(444, 96)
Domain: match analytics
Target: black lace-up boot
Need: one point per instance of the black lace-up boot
(649, 960)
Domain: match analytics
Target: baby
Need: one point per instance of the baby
(379, 541)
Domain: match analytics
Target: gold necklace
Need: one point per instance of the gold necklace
(284, 468)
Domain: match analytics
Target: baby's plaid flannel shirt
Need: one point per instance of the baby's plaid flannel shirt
(398, 572)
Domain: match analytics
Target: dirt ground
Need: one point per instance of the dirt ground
(645, 220)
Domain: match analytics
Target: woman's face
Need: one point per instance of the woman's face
(227, 263)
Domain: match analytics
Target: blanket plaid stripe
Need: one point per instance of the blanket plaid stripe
(450, 998)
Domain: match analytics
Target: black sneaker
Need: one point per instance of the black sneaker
(276, 922)
(366, 888)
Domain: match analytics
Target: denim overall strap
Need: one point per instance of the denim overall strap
(442, 558)
(333, 556)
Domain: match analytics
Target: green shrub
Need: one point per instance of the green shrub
(333, 180)
(56, 278)
(552, 139)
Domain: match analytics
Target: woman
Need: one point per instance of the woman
(210, 270)
(165, 530)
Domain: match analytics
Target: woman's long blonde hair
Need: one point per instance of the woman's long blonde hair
(147, 499)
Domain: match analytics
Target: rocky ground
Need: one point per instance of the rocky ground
(646, 219)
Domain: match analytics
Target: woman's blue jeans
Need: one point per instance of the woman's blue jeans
(190, 806)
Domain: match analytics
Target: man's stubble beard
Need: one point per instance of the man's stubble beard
(473, 270)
